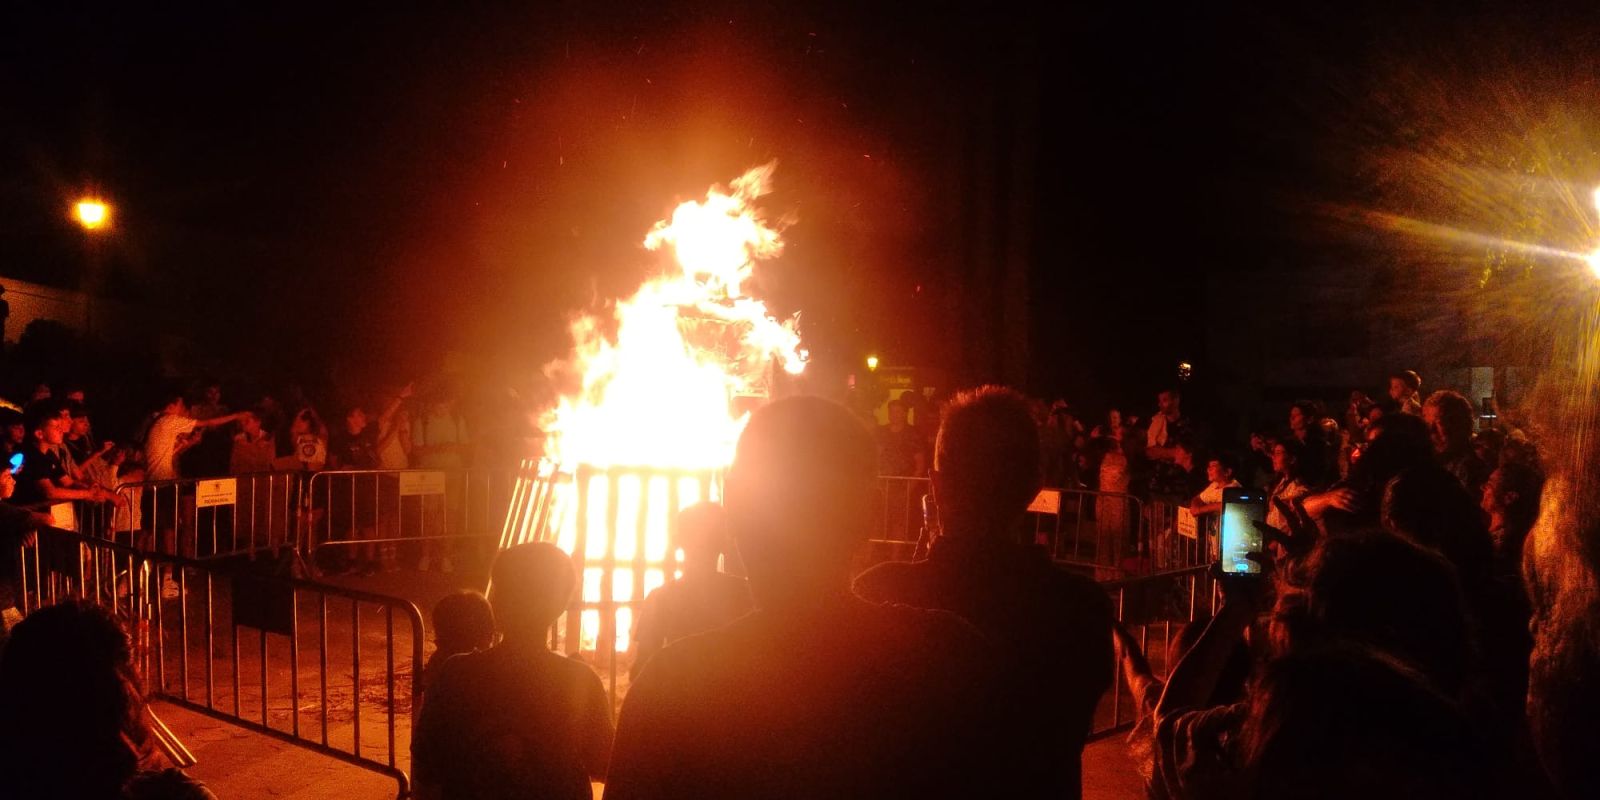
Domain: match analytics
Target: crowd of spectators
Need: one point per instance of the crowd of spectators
(1384, 651)
(65, 464)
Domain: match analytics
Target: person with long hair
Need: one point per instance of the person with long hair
(1289, 478)
(73, 723)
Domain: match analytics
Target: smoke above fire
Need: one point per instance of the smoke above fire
(664, 378)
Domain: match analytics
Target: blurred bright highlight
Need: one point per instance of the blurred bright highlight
(655, 395)
(91, 213)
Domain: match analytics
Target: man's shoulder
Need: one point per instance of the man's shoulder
(890, 581)
(571, 671)
(170, 422)
(1081, 591)
(929, 626)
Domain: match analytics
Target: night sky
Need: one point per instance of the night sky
(308, 188)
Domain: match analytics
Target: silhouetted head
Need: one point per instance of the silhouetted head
(1396, 442)
(1169, 402)
(1379, 590)
(1304, 414)
(1404, 384)
(703, 535)
(175, 404)
(799, 499)
(355, 419)
(1288, 458)
(1427, 505)
(463, 622)
(1221, 468)
(46, 425)
(1512, 493)
(985, 462)
(1449, 418)
(529, 587)
(899, 413)
(251, 422)
(72, 721)
(1185, 451)
(1353, 722)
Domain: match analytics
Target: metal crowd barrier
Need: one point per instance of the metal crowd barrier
(210, 517)
(900, 534)
(268, 511)
(1154, 608)
(319, 666)
(1098, 530)
(390, 507)
(1107, 532)
(1172, 548)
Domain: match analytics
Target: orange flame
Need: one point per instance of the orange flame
(663, 393)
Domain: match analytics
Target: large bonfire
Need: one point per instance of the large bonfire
(665, 381)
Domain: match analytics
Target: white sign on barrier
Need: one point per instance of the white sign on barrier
(419, 483)
(1048, 501)
(219, 492)
(1188, 524)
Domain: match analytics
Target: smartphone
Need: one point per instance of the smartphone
(1241, 508)
(16, 463)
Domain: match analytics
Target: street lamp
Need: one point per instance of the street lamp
(872, 363)
(92, 213)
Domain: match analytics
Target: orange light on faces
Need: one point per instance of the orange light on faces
(92, 213)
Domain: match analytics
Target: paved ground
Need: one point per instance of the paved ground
(237, 764)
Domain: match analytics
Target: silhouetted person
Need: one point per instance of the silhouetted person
(1053, 626)
(1362, 590)
(1405, 389)
(817, 693)
(1427, 505)
(1354, 722)
(1511, 499)
(901, 447)
(463, 622)
(72, 721)
(517, 720)
(1449, 418)
(704, 599)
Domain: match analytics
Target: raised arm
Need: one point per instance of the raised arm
(1195, 676)
(215, 421)
(80, 472)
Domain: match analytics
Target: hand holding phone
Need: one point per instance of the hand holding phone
(1241, 508)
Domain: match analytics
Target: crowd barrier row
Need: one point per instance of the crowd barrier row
(1112, 534)
(320, 666)
(303, 511)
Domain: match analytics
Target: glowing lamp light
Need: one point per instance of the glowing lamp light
(872, 363)
(91, 213)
